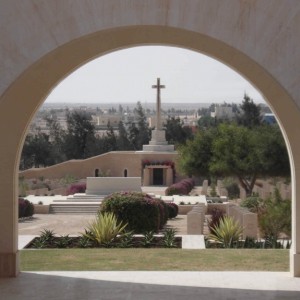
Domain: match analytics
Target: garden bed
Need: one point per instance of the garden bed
(125, 241)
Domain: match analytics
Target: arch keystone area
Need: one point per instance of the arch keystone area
(44, 41)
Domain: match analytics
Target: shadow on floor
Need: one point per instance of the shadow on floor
(30, 286)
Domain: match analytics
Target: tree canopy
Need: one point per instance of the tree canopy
(232, 150)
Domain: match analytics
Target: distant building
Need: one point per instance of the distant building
(269, 119)
(223, 111)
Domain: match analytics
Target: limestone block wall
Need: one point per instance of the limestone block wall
(115, 163)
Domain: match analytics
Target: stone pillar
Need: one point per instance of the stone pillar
(204, 187)
(9, 255)
(169, 179)
(146, 179)
(195, 220)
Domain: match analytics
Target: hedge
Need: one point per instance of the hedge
(140, 211)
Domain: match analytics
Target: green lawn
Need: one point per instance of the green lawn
(154, 260)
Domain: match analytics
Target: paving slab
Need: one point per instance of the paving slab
(193, 242)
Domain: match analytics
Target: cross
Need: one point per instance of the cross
(158, 86)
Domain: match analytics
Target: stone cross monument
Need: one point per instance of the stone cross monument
(158, 141)
(158, 106)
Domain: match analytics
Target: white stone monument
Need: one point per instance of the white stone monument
(158, 141)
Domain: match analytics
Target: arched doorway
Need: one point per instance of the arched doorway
(40, 77)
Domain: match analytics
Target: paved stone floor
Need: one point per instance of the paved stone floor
(150, 285)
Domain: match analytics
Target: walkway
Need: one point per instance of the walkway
(150, 285)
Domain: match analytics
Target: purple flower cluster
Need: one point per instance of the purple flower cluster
(76, 188)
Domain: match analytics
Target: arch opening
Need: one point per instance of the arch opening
(61, 62)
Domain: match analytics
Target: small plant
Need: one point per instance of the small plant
(39, 243)
(47, 235)
(148, 239)
(169, 238)
(181, 203)
(84, 242)
(227, 233)
(126, 240)
(104, 229)
(63, 242)
(40, 203)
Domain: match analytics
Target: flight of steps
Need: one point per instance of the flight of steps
(77, 204)
(74, 208)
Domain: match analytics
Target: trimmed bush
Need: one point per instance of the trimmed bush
(76, 188)
(139, 210)
(26, 208)
(173, 210)
(182, 187)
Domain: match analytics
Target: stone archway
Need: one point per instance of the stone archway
(271, 67)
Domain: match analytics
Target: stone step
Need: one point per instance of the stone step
(73, 208)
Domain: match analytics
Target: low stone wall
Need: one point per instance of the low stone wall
(108, 185)
(41, 209)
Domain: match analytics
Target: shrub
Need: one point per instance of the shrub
(139, 210)
(163, 213)
(173, 210)
(253, 203)
(104, 229)
(227, 233)
(76, 188)
(274, 216)
(182, 187)
(216, 216)
(26, 208)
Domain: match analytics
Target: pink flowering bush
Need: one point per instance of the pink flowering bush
(76, 188)
(182, 187)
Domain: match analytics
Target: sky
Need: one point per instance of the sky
(127, 76)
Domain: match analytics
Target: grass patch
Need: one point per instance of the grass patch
(155, 260)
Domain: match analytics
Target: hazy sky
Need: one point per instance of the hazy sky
(127, 76)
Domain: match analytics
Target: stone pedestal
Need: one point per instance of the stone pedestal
(195, 220)
(158, 142)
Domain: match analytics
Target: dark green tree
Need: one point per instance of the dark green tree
(143, 135)
(196, 154)
(79, 140)
(175, 132)
(110, 139)
(37, 151)
(206, 122)
(232, 150)
(250, 113)
(123, 142)
(134, 136)
(56, 137)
